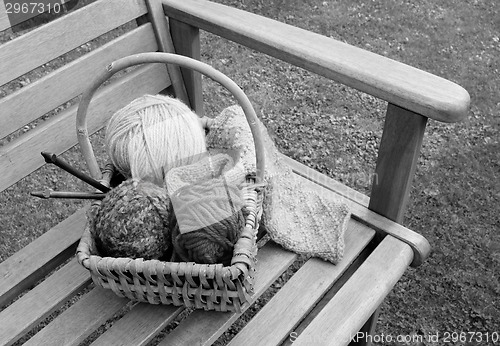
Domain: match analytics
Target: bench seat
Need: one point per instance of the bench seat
(317, 287)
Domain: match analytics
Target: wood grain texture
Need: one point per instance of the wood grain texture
(37, 259)
(379, 76)
(396, 162)
(358, 207)
(41, 301)
(368, 331)
(301, 293)
(326, 182)
(80, 320)
(328, 296)
(384, 226)
(4, 17)
(22, 156)
(359, 297)
(139, 326)
(204, 327)
(166, 45)
(69, 81)
(65, 34)
(186, 40)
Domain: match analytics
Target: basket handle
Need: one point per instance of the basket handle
(168, 58)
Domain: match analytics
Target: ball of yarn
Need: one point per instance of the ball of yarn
(151, 135)
(133, 221)
(209, 219)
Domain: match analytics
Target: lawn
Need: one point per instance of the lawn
(456, 192)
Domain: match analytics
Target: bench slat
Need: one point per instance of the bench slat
(69, 81)
(140, 325)
(97, 306)
(79, 321)
(4, 18)
(420, 245)
(37, 259)
(165, 44)
(326, 182)
(204, 327)
(64, 34)
(301, 293)
(41, 301)
(373, 280)
(22, 156)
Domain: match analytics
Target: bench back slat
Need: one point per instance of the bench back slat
(4, 18)
(68, 82)
(64, 34)
(25, 267)
(58, 134)
(5, 23)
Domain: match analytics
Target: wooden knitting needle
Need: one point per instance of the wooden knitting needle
(66, 194)
(52, 158)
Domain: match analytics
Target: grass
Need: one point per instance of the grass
(456, 192)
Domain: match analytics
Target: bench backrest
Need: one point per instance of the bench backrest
(46, 103)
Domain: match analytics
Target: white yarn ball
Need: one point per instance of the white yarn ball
(153, 134)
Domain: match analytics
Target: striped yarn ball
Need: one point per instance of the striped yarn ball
(209, 218)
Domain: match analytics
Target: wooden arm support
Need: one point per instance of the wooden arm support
(395, 82)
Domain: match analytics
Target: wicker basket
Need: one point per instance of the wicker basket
(202, 286)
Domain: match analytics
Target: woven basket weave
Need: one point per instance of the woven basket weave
(202, 286)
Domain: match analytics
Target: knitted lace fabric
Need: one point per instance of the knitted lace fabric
(294, 214)
(230, 134)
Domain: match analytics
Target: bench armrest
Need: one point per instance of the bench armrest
(399, 84)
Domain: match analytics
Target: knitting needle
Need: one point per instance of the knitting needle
(65, 194)
(52, 158)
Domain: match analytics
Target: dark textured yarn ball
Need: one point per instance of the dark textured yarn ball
(133, 221)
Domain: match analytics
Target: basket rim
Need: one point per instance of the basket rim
(85, 258)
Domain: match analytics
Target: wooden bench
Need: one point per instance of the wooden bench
(321, 304)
